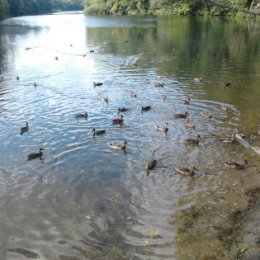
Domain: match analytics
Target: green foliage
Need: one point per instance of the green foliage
(4, 8)
(23, 7)
(179, 7)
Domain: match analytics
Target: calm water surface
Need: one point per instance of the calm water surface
(83, 200)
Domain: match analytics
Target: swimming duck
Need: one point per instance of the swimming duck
(146, 81)
(162, 128)
(151, 165)
(240, 135)
(17, 77)
(96, 84)
(146, 108)
(158, 77)
(35, 155)
(256, 149)
(117, 146)
(181, 115)
(159, 84)
(199, 79)
(206, 114)
(185, 101)
(185, 171)
(226, 107)
(118, 121)
(228, 140)
(189, 125)
(82, 115)
(193, 141)
(99, 132)
(235, 165)
(163, 97)
(104, 99)
(25, 128)
(133, 94)
(91, 51)
(122, 109)
(227, 84)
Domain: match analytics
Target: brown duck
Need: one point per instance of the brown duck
(235, 165)
(193, 141)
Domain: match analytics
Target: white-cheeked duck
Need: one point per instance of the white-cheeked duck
(117, 146)
(162, 128)
(35, 155)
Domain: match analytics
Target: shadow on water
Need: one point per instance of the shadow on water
(86, 201)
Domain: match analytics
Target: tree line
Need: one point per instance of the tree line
(179, 7)
(25, 7)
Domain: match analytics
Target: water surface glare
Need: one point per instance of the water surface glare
(84, 200)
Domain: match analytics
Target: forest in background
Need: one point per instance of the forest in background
(177, 7)
(25, 7)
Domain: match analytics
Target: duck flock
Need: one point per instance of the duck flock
(193, 141)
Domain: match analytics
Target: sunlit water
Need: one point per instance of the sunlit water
(83, 199)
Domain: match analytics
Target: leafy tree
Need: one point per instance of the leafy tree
(4, 8)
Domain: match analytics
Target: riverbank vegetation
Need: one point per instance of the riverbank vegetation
(25, 7)
(178, 7)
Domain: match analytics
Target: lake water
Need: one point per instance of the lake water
(86, 201)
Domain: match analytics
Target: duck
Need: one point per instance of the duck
(206, 114)
(188, 124)
(163, 128)
(151, 165)
(99, 132)
(56, 58)
(34, 84)
(226, 107)
(91, 51)
(117, 146)
(228, 140)
(185, 171)
(199, 79)
(146, 108)
(133, 94)
(118, 121)
(193, 141)
(17, 77)
(185, 101)
(96, 84)
(227, 84)
(158, 77)
(122, 109)
(181, 115)
(240, 135)
(146, 81)
(235, 165)
(35, 155)
(256, 149)
(25, 128)
(82, 115)
(163, 97)
(104, 99)
(159, 84)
